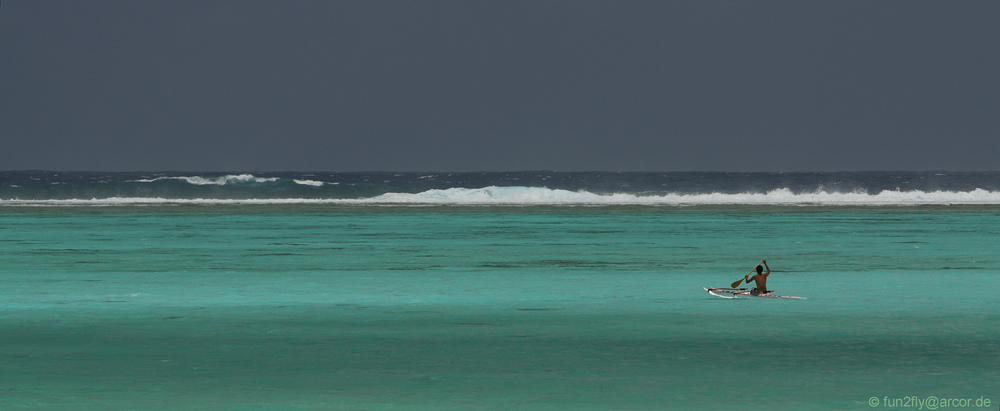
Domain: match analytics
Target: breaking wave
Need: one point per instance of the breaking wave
(528, 196)
(218, 181)
(309, 183)
(783, 196)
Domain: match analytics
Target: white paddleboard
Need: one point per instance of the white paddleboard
(731, 293)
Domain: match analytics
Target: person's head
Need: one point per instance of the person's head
(760, 269)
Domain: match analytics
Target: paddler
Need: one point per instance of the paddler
(760, 278)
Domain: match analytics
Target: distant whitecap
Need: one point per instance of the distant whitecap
(219, 181)
(309, 183)
(493, 195)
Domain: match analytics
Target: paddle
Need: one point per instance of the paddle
(737, 283)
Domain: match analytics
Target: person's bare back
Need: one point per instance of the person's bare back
(760, 278)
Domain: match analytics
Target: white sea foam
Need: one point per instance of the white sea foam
(309, 182)
(219, 181)
(784, 196)
(543, 196)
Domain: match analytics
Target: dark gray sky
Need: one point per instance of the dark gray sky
(500, 85)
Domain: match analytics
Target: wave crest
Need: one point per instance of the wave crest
(219, 181)
(782, 196)
(313, 183)
(494, 195)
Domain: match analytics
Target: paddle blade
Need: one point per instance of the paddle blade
(736, 284)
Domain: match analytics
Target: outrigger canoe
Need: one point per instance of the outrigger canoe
(743, 292)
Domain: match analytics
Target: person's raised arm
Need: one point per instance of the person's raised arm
(746, 278)
(765, 266)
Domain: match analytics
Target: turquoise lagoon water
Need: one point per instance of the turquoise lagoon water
(326, 307)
